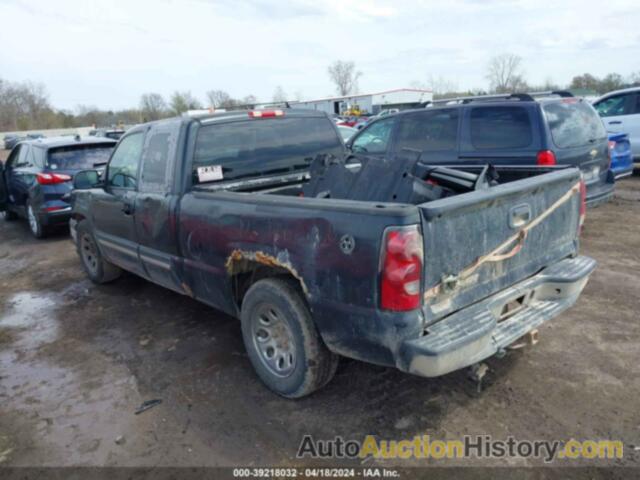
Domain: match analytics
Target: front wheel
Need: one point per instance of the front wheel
(282, 341)
(96, 267)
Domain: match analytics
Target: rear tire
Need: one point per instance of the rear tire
(282, 341)
(35, 225)
(95, 266)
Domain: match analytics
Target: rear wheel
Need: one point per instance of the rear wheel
(282, 341)
(97, 268)
(35, 225)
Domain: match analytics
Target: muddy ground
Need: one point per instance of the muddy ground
(76, 360)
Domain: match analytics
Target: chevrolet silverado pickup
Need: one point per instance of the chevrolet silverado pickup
(320, 253)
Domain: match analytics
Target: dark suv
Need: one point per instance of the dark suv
(516, 129)
(37, 177)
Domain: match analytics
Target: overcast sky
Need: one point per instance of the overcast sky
(109, 52)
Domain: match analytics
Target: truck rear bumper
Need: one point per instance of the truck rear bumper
(479, 331)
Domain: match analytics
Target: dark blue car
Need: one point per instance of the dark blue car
(37, 178)
(621, 157)
(544, 128)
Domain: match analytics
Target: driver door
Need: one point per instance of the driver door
(113, 207)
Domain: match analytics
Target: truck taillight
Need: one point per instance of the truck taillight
(265, 113)
(52, 178)
(583, 205)
(401, 269)
(546, 157)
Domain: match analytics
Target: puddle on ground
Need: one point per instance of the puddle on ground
(33, 312)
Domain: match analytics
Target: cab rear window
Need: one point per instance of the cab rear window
(79, 157)
(573, 123)
(258, 147)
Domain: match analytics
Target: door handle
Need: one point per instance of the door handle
(615, 122)
(127, 208)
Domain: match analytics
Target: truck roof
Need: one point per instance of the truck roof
(67, 141)
(286, 112)
(212, 117)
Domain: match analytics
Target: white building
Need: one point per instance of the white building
(401, 98)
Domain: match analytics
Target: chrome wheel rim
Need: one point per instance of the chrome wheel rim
(33, 221)
(89, 253)
(273, 340)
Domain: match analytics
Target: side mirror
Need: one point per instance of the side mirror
(87, 179)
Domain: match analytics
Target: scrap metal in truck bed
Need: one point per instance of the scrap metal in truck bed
(427, 269)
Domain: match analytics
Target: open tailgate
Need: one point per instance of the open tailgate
(539, 214)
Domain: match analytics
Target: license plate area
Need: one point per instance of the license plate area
(513, 306)
(592, 174)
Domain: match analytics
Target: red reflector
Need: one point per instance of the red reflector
(401, 269)
(52, 178)
(53, 209)
(546, 157)
(265, 113)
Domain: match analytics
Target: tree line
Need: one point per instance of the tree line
(505, 73)
(26, 105)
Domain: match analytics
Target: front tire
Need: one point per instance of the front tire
(282, 341)
(95, 266)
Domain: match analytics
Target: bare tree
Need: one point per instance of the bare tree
(183, 101)
(24, 105)
(279, 95)
(152, 106)
(613, 81)
(250, 100)
(586, 81)
(219, 99)
(344, 76)
(505, 73)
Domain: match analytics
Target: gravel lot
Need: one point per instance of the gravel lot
(76, 360)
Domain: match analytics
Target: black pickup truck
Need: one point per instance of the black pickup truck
(265, 216)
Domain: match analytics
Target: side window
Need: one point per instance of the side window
(495, 128)
(374, 139)
(23, 157)
(123, 167)
(432, 131)
(159, 149)
(13, 157)
(612, 106)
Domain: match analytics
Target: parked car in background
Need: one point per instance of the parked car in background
(514, 129)
(37, 177)
(242, 211)
(621, 157)
(34, 136)
(348, 121)
(346, 132)
(113, 133)
(620, 112)
(11, 140)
